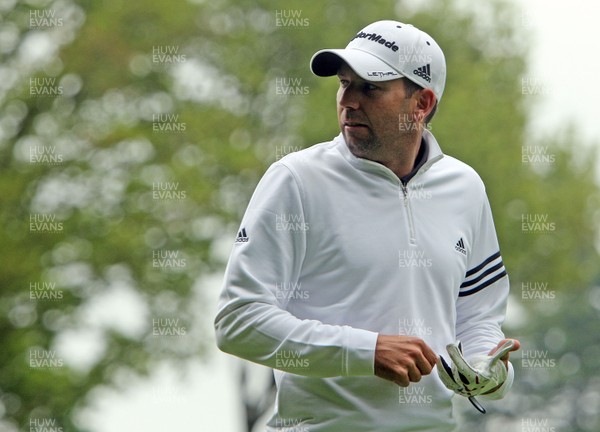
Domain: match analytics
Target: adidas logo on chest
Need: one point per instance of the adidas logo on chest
(460, 247)
(242, 237)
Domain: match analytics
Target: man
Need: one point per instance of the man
(359, 260)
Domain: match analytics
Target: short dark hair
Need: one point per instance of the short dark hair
(410, 87)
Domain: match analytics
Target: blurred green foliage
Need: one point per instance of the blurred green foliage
(208, 123)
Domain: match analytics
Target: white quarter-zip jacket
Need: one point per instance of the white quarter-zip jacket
(334, 250)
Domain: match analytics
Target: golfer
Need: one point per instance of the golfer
(361, 262)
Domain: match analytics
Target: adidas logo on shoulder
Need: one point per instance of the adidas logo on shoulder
(424, 72)
(460, 247)
(242, 237)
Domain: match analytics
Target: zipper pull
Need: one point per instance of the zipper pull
(412, 240)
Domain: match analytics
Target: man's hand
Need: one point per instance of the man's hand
(479, 375)
(516, 346)
(403, 359)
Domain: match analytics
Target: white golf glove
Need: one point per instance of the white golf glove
(476, 377)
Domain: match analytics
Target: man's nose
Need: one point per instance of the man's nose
(349, 97)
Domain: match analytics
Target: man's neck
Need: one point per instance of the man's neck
(402, 160)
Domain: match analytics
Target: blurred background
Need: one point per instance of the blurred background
(132, 134)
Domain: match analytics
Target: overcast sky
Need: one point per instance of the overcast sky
(565, 55)
(565, 36)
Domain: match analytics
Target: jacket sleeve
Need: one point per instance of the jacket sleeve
(483, 295)
(252, 322)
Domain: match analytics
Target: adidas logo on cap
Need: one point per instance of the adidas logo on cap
(424, 72)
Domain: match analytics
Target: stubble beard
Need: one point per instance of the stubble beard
(366, 148)
(372, 148)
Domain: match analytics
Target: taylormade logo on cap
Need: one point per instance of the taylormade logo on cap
(387, 50)
(377, 38)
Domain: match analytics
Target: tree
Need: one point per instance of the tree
(107, 200)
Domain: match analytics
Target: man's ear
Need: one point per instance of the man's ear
(425, 103)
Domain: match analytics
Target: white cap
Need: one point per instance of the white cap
(388, 50)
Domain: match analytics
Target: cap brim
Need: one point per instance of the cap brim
(367, 66)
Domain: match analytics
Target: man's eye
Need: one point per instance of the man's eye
(370, 87)
(344, 83)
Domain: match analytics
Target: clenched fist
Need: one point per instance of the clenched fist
(403, 359)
